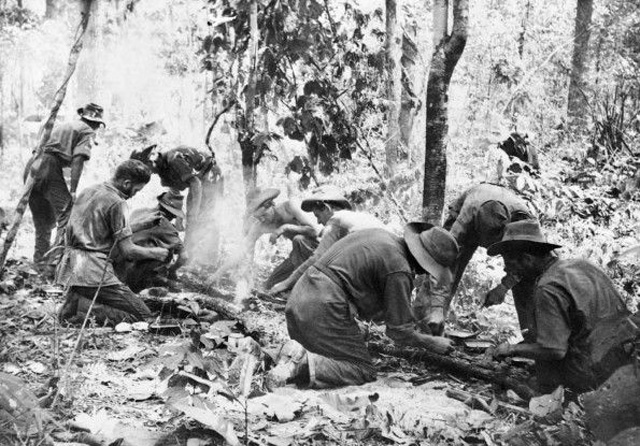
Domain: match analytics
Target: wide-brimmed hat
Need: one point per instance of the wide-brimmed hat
(92, 112)
(258, 197)
(434, 248)
(142, 154)
(172, 202)
(325, 194)
(524, 235)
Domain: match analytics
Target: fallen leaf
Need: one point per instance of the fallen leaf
(209, 419)
(10, 367)
(37, 367)
(127, 353)
(544, 405)
(123, 327)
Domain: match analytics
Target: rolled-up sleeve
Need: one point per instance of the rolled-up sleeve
(397, 306)
(552, 319)
(119, 221)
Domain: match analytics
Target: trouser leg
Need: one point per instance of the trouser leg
(302, 248)
(114, 304)
(320, 319)
(43, 222)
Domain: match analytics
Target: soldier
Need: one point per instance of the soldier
(333, 211)
(51, 199)
(571, 298)
(477, 218)
(153, 227)
(183, 168)
(368, 274)
(98, 225)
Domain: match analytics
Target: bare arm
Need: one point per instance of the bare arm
(77, 164)
(533, 351)
(194, 199)
(306, 224)
(131, 251)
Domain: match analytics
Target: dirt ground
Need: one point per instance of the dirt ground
(139, 386)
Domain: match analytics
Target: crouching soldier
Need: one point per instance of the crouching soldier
(153, 227)
(368, 274)
(571, 299)
(477, 218)
(97, 225)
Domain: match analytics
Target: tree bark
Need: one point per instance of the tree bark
(52, 9)
(43, 137)
(247, 130)
(580, 61)
(393, 54)
(89, 71)
(410, 73)
(447, 51)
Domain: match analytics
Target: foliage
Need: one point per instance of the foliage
(320, 78)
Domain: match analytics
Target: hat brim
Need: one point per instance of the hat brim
(309, 204)
(412, 233)
(175, 211)
(520, 245)
(264, 196)
(89, 118)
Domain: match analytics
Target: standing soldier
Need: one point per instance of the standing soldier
(183, 168)
(51, 199)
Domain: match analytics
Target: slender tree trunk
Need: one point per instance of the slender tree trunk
(579, 65)
(447, 51)
(43, 137)
(52, 9)
(247, 130)
(409, 98)
(393, 50)
(89, 72)
(523, 30)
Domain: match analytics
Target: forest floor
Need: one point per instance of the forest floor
(141, 386)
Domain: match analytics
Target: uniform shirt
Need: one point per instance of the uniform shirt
(99, 220)
(163, 234)
(70, 139)
(571, 296)
(177, 166)
(462, 221)
(372, 268)
(338, 226)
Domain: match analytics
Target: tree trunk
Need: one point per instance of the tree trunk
(447, 51)
(43, 137)
(52, 9)
(89, 72)
(523, 30)
(247, 130)
(579, 64)
(393, 54)
(410, 73)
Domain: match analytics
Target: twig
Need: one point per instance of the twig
(215, 121)
(84, 324)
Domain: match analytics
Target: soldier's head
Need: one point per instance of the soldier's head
(324, 201)
(432, 249)
(260, 204)
(92, 115)
(524, 249)
(130, 177)
(148, 156)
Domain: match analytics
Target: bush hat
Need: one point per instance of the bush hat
(434, 248)
(259, 197)
(172, 202)
(92, 112)
(325, 194)
(523, 235)
(143, 154)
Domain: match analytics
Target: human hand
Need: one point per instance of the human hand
(495, 296)
(159, 253)
(435, 321)
(437, 344)
(277, 288)
(273, 237)
(150, 220)
(504, 349)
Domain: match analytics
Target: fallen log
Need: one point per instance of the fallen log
(460, 367)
